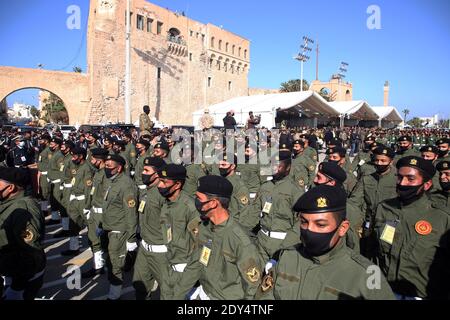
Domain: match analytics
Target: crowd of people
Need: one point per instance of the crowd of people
(295, 227)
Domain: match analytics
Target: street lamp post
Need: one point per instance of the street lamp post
(302, 57)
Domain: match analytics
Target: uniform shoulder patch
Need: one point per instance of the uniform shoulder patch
(253, 274)
(301, 182)
(244, 199)
(131, 202)
(74, 171)
(133, 154)
(28, 235)
(312, 168)
(88, 182)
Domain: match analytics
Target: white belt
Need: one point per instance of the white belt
(252, 195)
(56, 181)
(74, 197)
(142, 187)
(115, 232)
(275, 235)
(153, 248)
(68, 185)
(97, 210)
(179, 267)
(44, 173)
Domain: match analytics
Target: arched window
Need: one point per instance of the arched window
(226, 47)
(174, 32)
(212, 42)
(245, 53)
(232, 49)
(239, 51)
(220, 44)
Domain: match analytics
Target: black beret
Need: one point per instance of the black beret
(46, 137)
(121, 143)
(433, 149)
(79, 151)
(128, 135)
(421, 164)
(285, 143)
(300, 142)
(304, 136)
(99, 153)
(341, 151)
(404, 138)
(162, 145)
(215, 186)
(231, 160)
(144, 142)
(115, 157)
(321, 199)
(95, 136)
(375, 145)
(17, 176)
(69, 144)
(110, 139)
(282, 156)
(333, 171)
(384, 151)
(57, 141)
(335, 142)
(443, 165)
(173, 172)
(155, 162)
(442, 141)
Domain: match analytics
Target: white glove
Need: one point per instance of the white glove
(87, 213)
(131, 246)
(269, 265)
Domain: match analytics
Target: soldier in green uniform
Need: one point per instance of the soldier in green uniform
(301, 163)
(42, 166)
(431, 153)
(338, 155)
(440, 198)
(119, 221)
(145, 124)
(22, 257)
(119, 148)
(142, 151)
(161, 150)
(55, 167)
(309, 151)
(225, 262)
(239, 206)
(363, 156)
(370, 191)
(151, 261)
(250, 171)
(130, 150)
(94, 204)
(274, 203)
(67, 172)
(444, 149)
(178, 215)
(413, 239)
(322, 267)
(79, 198)
(405, 148)
(194, 171)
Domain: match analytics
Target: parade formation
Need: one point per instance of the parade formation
(228, 214)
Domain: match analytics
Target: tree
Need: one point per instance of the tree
(405, 112)
(54, 110)
(77, 70)
(293, 86)
(415, 122)
(324, 93)
(35, 113)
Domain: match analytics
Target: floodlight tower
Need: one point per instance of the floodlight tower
(302, 57)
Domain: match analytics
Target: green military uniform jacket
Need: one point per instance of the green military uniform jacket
(81, 188)
(193, 173)
(340, 274)
(21, 231)
(139, 168)
(250, 175)
(239, 206)
(360, 159)
(130, 149)
(150, 216)
(98, 190)
(440, 199)
(311, 153)
(55, 165)
(409, 152)
(303, 170)
(176, 216)
(119, 206)
(226, 263)
(413, 247)
(43, 160)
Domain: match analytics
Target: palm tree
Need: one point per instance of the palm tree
(77, 70)
(405, 112)
(293, 86)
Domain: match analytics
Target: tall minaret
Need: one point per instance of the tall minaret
(386, 93)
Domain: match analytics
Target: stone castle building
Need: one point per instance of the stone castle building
(178, 65)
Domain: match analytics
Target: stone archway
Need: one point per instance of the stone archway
(70, 87)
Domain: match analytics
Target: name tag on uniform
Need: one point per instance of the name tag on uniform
(204, 257)
(61, 168)
(267, 207)
(40, 158)
(92, 191)
(169, 233)
(106, 194)
(388, 234)
(23, 159)
(72, 182)
(141, 206)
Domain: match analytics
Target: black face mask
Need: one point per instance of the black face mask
(445, 185)
(335, 161)
(52, 149)
(367, 146)
(109, 173)
(278, 176)
(76, 162)
(442, 153)
(224, 171)
(199, 205)
(403, 149)
(147, 179)
(382, 168)
(316, 244)
(165, 192)
(409, 194)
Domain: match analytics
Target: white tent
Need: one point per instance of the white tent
(358, 109)
(388, 114)
(308, 103)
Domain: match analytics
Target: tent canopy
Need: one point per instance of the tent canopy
(358, 109)
(308, 103)
(388, 114)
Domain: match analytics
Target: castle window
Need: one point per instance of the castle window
(245, 53)
(209, 82)
(190, 56)
(220, 44)
(159, 27)
(232, 49)
(140, 22)
(230, 86)
(239, 51)
(226, 47)
(212, 42)
(149, 24)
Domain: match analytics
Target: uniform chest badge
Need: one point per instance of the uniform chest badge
(253, 274)
(244, 200)
(74, 172)
(423, 227)
(312, 168)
